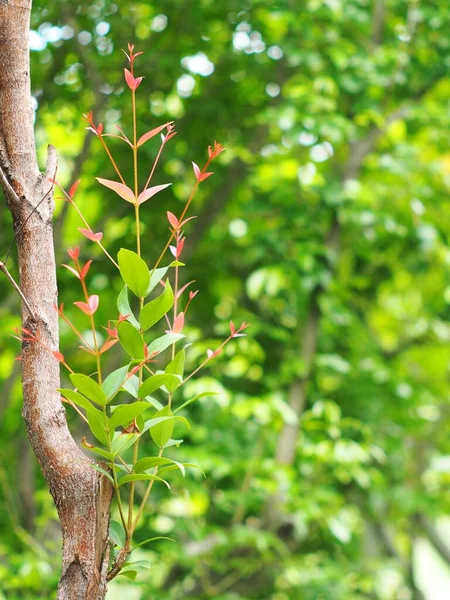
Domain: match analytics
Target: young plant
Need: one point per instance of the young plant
(150, 362)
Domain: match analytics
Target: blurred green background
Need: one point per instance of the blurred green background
(326, 226)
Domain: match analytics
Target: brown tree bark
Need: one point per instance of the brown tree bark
(82, 496)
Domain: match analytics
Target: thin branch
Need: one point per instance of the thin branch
(12, 281)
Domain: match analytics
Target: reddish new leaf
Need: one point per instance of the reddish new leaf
(107, 345)
(72, 270)
(73, 188)
(94, 237)
(58, 356)
(90, 306)
(147, 136)
(151, 191)
(172, 220)
(122, 190)
(178, 323)
(74, 253)
(197, 171)
(85, 269)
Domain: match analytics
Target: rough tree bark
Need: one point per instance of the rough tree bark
(82, 496)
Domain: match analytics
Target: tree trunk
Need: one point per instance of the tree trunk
(82, 496)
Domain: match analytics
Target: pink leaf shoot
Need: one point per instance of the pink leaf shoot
(178, 323)
(73, 188)
(172, 220)
(197, 171)
(94, 237)
(147, 136)
(213, 152)
(74, 253)
(90, 306)
(122, 190)
(73, 271)
(85, 269)
(132, 82)
(58, 356)
(151, 191)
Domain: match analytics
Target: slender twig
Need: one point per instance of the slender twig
(28, 218)
(12, 281)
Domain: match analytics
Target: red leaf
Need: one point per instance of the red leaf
(178, 323)
(197, 171)
(147, 136)
(192, 294)
(58, 356)
(172, 220)
(151, 191)
(137, 82)
(85, 269)
(72, 270)
(94, 237)
(73, 188)
(184, 287)
(205, 176)
(180, 247)
(186, 220)
(90, 306)
(107, 345)
(74, 253)
(232, 328)
(122, 190)
(100, 129)
(129, 79)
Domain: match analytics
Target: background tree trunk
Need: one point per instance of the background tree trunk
(82, 496)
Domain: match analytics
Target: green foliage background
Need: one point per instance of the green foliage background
(327, 227)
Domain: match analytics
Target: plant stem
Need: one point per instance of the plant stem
(183, 214)
(147, 494)
(12, 281)
(90, 229)
(141, 300)
(113, 162)
(94, 335)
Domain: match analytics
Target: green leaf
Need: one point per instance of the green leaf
(76, 398)
(171, 443)
(102, 471)
(116, 533)
(176, 366)
(140, 564)
(124, 308)
(156, 405)
(154, 382)
(131, 340)
(132, 385)
(114, 381)
(194, 399)
(89, 388)
(155, 461)
(153, 539)
(123, 441)
(134, 272)
(140, 477)
(155, 278)
(162, 432)
(154, 310)
(124, 414)
(96, 421)
(163, 342)
(100, 452)
(128, 574)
